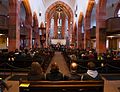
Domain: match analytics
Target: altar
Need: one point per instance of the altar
(58, 41)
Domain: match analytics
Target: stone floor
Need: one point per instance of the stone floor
(59, 59)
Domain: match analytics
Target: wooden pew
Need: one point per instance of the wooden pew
(61, 86)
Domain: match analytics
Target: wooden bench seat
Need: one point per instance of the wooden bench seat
(62, 86)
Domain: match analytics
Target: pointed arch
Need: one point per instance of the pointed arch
(28, 22)
(88, 13)
(28, 11)
(27, 7)
(42, 25)
(35, 19)
(51, 10)
(89, 8)
(87, 23)
(80, 19)
(36, 43)
(66, 8)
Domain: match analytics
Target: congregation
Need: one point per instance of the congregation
(24, 58)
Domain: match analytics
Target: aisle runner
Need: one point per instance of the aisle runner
(59, 59)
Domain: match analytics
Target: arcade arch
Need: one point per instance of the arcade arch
(62, 16)
(15, 23)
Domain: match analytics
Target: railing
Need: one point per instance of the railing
(61, 86)
(3, 21)
(113, 24)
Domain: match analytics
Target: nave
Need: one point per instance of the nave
(14, 77)
(59, 59)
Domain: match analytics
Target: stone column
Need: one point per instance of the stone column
(69, 34)
(87, 32)
(71, 30)
(47, 31)
(74, 35)
(63, 27)
(80, 42)
(28, 23)
(55, 27)
(14, 25)
(80, 37)
(37, 37)
(100, 29)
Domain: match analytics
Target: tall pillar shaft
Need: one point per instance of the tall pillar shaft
(100, 30)
(30, 37)
(29, 30)
(37, 37)
(14, 26)
(47, 31)
(63, 27)
(100, 40)
(80, 37)
(87, 32)
(69, 32)
(55, 27)
(74, 35)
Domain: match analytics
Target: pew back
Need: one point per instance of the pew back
(62, 86)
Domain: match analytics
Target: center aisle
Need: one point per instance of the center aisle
(59, 59)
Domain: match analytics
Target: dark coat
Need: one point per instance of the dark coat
(54, 75)
(74, 76)
(88, 77)
(36, 77)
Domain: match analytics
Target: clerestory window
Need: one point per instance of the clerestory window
(118, 13)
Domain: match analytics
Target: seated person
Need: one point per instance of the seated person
(36, 72)
(74, 75)
(73, 58)
(54, 74)
(92, 73)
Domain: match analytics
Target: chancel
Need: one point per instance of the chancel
(64, 32)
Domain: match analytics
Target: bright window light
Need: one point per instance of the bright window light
(118, 13)
(119, 44)
(1, 34)
(7, 41)
(107, 42)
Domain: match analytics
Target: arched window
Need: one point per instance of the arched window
(118, 13)
(52, 28)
